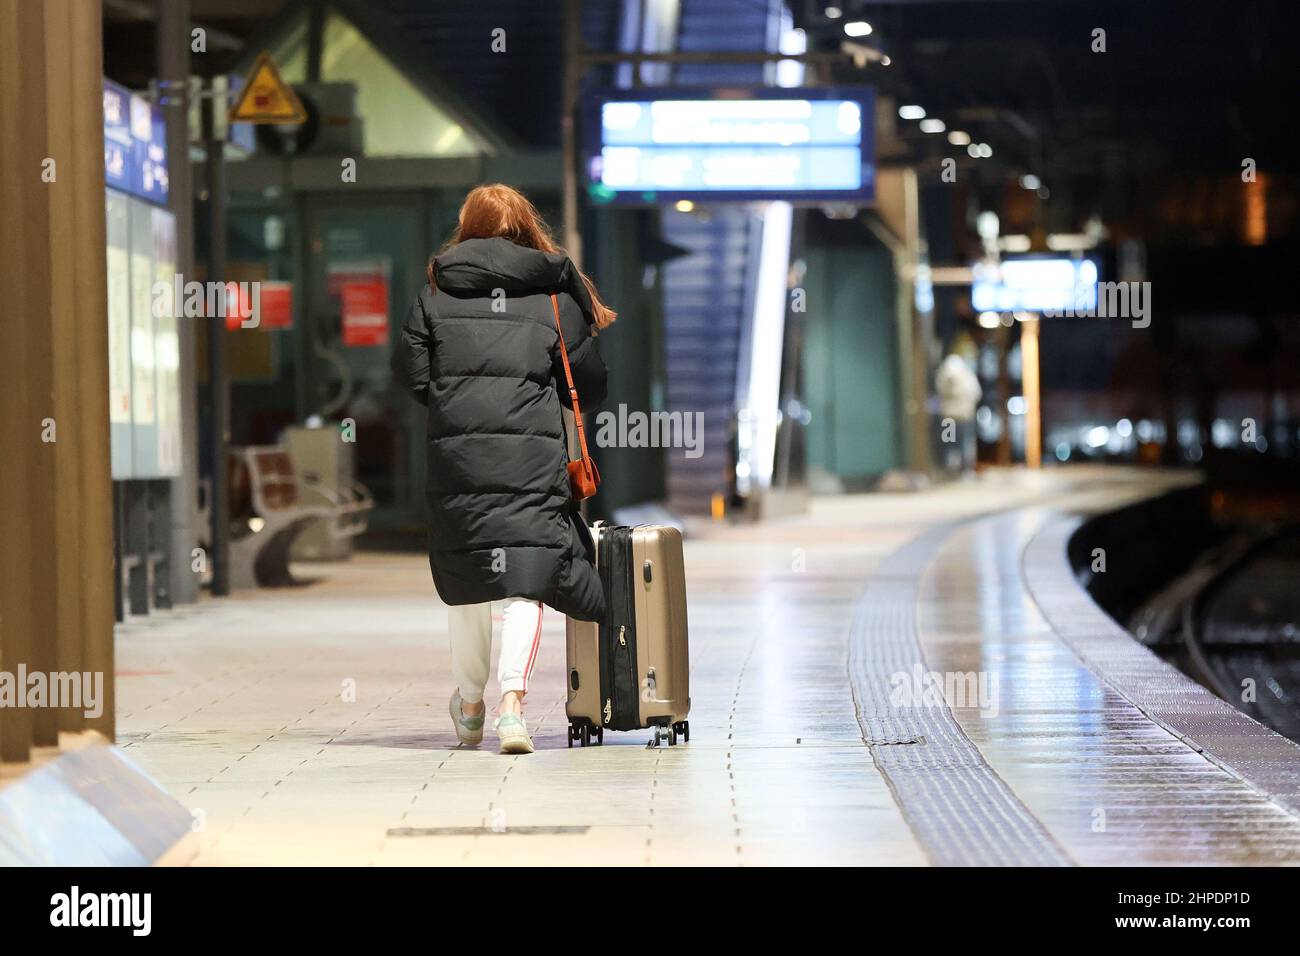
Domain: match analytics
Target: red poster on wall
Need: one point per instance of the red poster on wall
(267, 304)
(364, 302)
(276, 305)
(239, 306)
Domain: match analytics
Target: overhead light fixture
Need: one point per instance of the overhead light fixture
(987, 225)
(932, 126)
(684, 205)
(973, 151)
(990, 320)
(833, 13)
(885, 61)
(1071, 241)
(857, 28)
(984, 150)
(1030, 181)
(911, 112)
(958, 138)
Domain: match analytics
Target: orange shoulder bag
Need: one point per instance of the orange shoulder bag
(584, 479)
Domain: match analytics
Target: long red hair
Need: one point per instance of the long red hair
(498, 210)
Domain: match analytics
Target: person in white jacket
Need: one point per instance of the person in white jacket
(959, 394)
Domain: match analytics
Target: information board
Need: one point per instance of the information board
(144, 399)
(1035, 284)
(119, 331)
(167, 353)
(725, 144)
(143, 337)
(135, 144)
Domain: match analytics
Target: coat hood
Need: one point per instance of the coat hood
(478, 266)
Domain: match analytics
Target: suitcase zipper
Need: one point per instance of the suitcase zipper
(619, 690)
(604, 567)
(628, 707)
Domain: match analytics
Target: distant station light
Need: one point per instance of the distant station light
(911, 112)
(959, 138)
(857, 28)
(932, 126)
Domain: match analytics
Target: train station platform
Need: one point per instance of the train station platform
(309, 726)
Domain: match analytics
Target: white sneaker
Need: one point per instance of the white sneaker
(514, 734)
(468, 728)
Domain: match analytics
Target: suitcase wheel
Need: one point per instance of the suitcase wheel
(664, 733)
(683, 728)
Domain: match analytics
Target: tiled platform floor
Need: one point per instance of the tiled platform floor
(309, 725)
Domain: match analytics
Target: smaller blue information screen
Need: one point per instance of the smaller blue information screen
(1050, 285)
(795, 144)
(135, 144)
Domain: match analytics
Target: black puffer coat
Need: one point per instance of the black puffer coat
(481, 353)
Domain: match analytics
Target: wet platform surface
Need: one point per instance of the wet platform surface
(309, 725)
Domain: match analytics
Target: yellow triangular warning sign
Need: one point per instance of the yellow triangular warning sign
(266, 98)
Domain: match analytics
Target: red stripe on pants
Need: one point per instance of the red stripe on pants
(532, 655)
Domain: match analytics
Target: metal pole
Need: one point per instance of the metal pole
(1031, 386)
(173, 53)
(315, 39)
(218, 382)
(572, 77)
(598, 57)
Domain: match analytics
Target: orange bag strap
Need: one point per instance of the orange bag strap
(568, 378)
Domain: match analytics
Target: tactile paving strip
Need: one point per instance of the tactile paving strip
(962, 813)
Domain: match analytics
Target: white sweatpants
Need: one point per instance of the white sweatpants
(471, 645)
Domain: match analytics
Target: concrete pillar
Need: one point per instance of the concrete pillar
(56, 597)
(16, 430)
(897, 203)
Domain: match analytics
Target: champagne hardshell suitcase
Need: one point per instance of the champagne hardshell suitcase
(632, 670)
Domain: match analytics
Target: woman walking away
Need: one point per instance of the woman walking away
(480, 350)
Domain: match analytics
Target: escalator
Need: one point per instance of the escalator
(708, 294)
